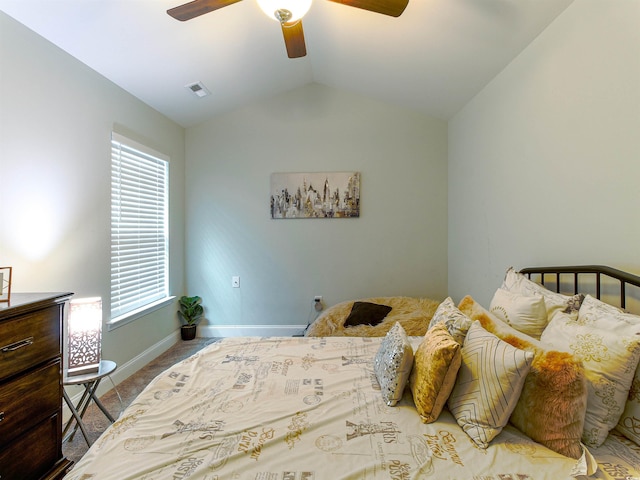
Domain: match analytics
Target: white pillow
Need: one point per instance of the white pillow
(489, 383)
(609, 317)
(629, 423)
(457, 323)
(392, 364)
(609, 347)
(525, 313)
(603, 315)
(557, 304)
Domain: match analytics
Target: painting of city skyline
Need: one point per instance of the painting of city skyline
(315, 195)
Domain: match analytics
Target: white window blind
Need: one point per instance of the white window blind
(139, 227)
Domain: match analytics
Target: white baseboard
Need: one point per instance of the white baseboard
(125, 371)
(250, 330)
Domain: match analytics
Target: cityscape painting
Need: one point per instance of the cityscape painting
(315, 195)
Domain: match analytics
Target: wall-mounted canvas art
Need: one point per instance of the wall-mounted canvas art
(315, 195)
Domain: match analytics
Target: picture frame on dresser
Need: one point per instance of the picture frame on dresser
(31, 387)
(5, 284)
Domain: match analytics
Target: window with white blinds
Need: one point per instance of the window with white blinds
(139, 227)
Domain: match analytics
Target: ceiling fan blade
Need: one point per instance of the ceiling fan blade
(197, 7)
(393, 8)
(294, 39)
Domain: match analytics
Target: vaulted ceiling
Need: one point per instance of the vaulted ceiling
(433, 58)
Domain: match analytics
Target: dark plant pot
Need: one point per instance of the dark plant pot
(188, 332)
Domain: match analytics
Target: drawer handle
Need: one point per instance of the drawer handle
(18, 345)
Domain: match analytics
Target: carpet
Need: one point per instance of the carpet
(95, 421)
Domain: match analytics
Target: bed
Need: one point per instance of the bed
(358, 407)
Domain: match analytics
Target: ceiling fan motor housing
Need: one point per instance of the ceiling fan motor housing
(285, 11)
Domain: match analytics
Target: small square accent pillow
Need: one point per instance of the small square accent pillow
(366, 313)
(609, 347)
(457, 323)
(525, 313)
(435, 367)
(392, 364)
(490, 379)
(553, 402)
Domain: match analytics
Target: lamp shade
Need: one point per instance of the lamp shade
(297, 8)
(85, 335)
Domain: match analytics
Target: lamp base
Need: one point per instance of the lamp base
(84, 370)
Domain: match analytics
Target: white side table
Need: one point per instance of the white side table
(90, 382)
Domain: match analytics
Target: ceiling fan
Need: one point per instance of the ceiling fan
(289, 13)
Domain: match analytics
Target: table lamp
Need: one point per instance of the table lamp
(84, 335)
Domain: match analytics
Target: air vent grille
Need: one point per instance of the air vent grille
(198, 89)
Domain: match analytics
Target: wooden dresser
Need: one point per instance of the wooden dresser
(31, 387)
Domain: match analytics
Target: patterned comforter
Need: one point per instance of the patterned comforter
(309, 409)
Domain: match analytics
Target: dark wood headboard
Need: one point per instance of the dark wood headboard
(592, 277)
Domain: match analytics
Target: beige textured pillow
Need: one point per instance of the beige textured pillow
(490, 379)
(435, 366)
(525, 313)
(553, 402)
(609, 347)
(392, 364)
(457, 323)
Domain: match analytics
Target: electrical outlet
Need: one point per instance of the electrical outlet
(235, 281)
(317, 303)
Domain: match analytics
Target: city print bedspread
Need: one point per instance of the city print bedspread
(302, 409)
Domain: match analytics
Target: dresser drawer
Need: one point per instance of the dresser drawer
(33, 454)
(28, 399)
(29, 339)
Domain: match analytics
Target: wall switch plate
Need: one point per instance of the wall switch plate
(235, 282)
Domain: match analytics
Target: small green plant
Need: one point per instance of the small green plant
(190, 310)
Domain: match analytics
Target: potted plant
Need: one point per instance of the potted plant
(190, 314)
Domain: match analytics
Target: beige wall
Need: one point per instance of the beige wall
(544, 163)
(55, 158)
(397, 247)
(56, 118)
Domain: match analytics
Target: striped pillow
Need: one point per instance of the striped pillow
(490, 379)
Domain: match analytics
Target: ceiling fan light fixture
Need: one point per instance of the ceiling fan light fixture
(285, 11)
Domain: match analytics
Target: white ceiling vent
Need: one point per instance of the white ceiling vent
(198, 89)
